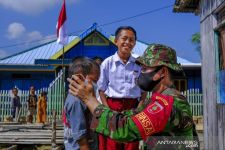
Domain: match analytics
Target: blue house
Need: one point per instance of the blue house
(39, 65)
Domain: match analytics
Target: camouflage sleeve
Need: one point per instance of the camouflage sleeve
(116, 125)
(134, 111)
(181, 117)
(127, 126)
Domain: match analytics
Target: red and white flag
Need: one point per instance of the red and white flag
(61, 26)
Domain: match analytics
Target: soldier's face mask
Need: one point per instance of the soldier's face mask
(145, 80)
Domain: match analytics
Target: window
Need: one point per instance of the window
(221, 64)
(21, 76)
(96, 39)
(181, 84)
(219, 14)
(222, 49)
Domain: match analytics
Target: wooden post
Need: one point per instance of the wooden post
(53, 141)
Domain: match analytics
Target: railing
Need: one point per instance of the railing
(5, 100)
(56, 96)
(55, 99)
(195, 100)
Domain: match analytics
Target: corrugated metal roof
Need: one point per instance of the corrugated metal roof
(140, 48)
(28, 57)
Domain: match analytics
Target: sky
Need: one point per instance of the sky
(28, 23)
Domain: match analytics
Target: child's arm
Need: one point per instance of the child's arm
(103, 98)
(12, 103)
(77, 121)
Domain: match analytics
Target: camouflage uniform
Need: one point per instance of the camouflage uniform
(165, 117)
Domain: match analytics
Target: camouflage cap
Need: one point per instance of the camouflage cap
(159, 55)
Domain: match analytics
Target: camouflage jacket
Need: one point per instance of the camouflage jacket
(165, 117)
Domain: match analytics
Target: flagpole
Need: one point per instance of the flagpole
(63, 69)
(62, 39)
(63, 58)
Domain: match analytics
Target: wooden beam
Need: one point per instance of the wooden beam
(13, 147)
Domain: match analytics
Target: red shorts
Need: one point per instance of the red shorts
(119, 104)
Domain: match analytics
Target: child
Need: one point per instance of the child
(15, 103)
(41, 107)
(31, 105)
(76, 116)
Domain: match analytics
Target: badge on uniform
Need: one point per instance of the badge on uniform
(154, 117)
(154, 108)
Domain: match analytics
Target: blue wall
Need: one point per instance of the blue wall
(38, 79)
(42, 79)
(194, 79)
(91, 51)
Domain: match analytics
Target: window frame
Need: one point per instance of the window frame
(217, 63)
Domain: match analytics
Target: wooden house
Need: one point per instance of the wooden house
(212, 20)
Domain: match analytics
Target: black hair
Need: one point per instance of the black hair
(32, 86)
(14, 89)
(118, 30)
(98, 60)
(97, 57)
(83, 65)
(174, 73)
(44, 93)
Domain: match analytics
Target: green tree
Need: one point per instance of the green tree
(196, 40)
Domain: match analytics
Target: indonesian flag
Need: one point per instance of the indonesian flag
(61, 28)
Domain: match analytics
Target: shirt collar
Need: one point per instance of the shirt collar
(116, 58)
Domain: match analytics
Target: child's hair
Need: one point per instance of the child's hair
(82, 65)
(118, 30)
(14, 89)
(44, 93)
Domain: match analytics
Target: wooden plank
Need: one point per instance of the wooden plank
(221, 126)
(209, 81)
(13, 147)
(31, 135)
(53, 138)
(31, 141)
(58, 148)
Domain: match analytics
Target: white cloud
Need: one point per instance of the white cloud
(28, 6)
(31, 7)
(3, 54)
(34, 35)
(15, 30)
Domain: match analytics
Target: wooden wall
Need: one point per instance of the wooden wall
(214, 113)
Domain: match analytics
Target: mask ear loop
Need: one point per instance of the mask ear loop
(157, 69)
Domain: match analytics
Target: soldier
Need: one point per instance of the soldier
(164, 121)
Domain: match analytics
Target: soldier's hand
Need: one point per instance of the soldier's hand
(81, 88)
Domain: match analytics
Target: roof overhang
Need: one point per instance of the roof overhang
(53, 62)
(186, 6)
(25, 68)
(191, 66)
